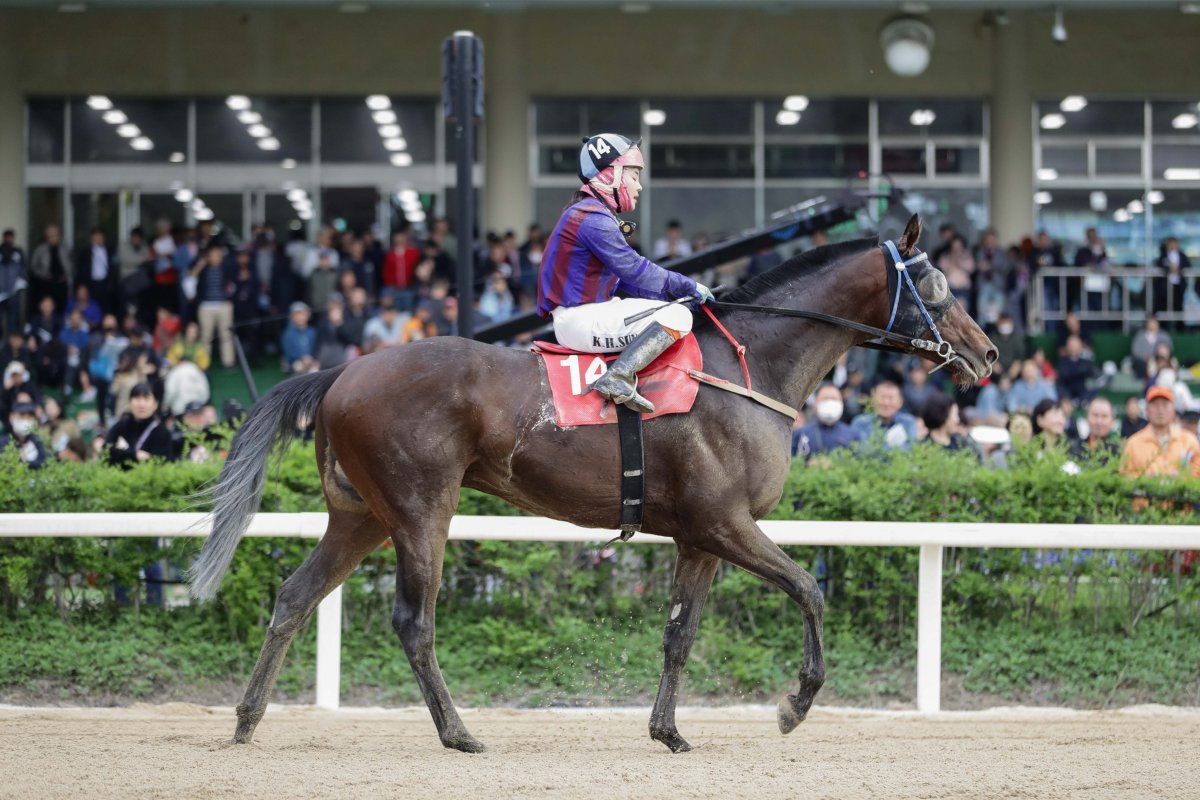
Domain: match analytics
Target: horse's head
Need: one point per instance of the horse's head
(973, 353)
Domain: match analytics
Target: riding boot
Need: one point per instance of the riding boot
(619, 383)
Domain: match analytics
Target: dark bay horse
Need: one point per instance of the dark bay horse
(400, 431)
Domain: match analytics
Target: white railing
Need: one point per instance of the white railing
(929, 537)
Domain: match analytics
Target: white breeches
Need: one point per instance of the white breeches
(601, 328)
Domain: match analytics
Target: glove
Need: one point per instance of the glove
(703, 293)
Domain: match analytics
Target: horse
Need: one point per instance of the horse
(400, 431)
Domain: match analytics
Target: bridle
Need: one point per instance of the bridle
(885, 338)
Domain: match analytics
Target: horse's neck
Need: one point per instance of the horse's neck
(788, 356)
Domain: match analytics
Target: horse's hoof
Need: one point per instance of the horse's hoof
(787, 715)
(673, 740)
(465, 743)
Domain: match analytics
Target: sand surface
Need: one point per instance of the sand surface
(179, 751)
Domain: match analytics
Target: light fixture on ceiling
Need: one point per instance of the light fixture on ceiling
(922, 117)
(238, 102)
(269, 143)
(1043, 198)
(99, 102)
(1185, 121)
(785, 117)
(184, 195)
(1154, 197)
(259, 131)
(384, 117)
(907, 45)
(378, 102)
(395, 144)
(1073, 103)
(115, 116)
(1098, 201)
(288, 163)
(654, 116)
(1181, 174)
(1136, 207)
(795, 102)
(1047, 174)
(408, 196)
(402, 159)
(1053, 121)
(128, 130)
(141, 143)
(353, 8)
(176, 158)
(72, 8)
(296, 195)
(1059, 32)
(248, 117)
(1121, 215)
(389, 131)
(204, 214)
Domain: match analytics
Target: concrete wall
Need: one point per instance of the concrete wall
(536, 53)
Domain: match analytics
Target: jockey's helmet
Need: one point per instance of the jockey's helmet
(602, 162)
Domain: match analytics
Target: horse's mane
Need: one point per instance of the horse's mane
(796, 267)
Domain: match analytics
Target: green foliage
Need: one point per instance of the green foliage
(538, 623)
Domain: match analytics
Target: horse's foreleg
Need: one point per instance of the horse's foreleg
(746, 546)
(419, 556)
(347, 541)
(694, 570)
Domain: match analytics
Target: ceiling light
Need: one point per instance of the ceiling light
(128, 130)
(1073, 103)
(303, 205)
(1047, 174)
(384, 117)
(416, 216)
(795, 102)
(249, 117)
(1121, 215)
(378, 102)
(115, 117)
(1189, 8)
(99, 102)
(1182, 174)
(353, 8)
(1135, 207)
(72, 8)
(203, 214)
(907, 45)
(259, 131)
(238, 102)
(1043, 198)
(141, 143)
(389, 131)
(654, 116)
(296, 195)
(1154, 197)
(1098, 201)
(184, 195)
(922, 117)
(176, 158)
(1053, 121)
(1059, 32)
(288, 163)
(402, 159)
(270, 143)
(408, 196)
(786, 117)
(397, 143)
(306, 214)
(1184, 121)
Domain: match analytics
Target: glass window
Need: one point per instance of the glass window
(1067, 161)
(815, 160)
(350, 208)
(548, 205)
(558, 159)
(229, 214)
(904, 160)
(45, 208)
(704, 117)
(965, 209)
(352, 132)
(1175, 156)
(1164, 116)
(1098, 118)
(579, 118)
(1119, 161)
(1071, 212)
(281, 215)
(46, 131)
(133, 130)
(94, 210)
(227, 134)
(713, 213)
(950, 117)
(155, 207)
(841, 117)
(1176, 216)
(956, 161)
(701, 161)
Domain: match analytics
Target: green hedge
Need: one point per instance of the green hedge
(533, 622)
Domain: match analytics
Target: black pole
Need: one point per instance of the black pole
(464, 132)
(245, 365)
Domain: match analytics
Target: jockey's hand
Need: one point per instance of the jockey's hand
(703, 293)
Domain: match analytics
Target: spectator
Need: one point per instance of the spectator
(75, 338)
(95, 268)
(898, 428)
(1020, 428)
(130, 372)
(185, 383)
(354, 319)
(918, 389)
(992, 403)
(323, 254)
(386, 329)
(59, 431)
(1132, 422)
(167, 327)
(958, 265)
(1030, 389)
(940, 416)
(672, 245)
(1162, 447)
(400, 262)
(357, 263)
(92, 313)
(946, 236)
(1049, 423)
(214, 293)
(17, 382)
(531, 258)
(13, 281)
(497, 303)
(1010, 345)
(447, 325)
(105, 350)
(196, 438)
(49, 270)
(827, 432)
(496, 259)
(1146, 343)
(322, 280)
(22, 424)
(990, 280)
(139, 435)
(1101, 441)
(134, 262)
(421, 326)
(1172, 261)
(299, 341)
(332, 349)
(190, 347)
(1075, 370)
(1073, 327)
(49, 353)
(247, 301)
(1045, 254)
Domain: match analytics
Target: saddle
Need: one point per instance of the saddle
(666, 382)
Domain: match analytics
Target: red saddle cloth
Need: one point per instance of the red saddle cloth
(665, 383)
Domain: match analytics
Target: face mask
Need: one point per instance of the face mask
(24, 427)
(829, 411)
(1005, 330)
(535, 257)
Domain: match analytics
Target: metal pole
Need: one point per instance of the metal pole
(245, 365)
(464, 134)
(929, 629)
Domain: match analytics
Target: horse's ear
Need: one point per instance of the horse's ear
(910, 237)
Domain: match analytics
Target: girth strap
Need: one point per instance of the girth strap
(758, 397)
(633, 481)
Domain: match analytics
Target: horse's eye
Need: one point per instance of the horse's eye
(933, 287)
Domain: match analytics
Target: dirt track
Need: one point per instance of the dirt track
(178, 751)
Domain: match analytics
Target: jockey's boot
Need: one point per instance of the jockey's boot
(619, 383)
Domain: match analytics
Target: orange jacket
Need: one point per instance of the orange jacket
(1144, 454)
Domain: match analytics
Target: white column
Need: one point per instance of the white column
(12, 138)
(507, 200)
(1011, 136)
(929, 630)
(329, 650)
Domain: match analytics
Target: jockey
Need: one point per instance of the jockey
(587, 259)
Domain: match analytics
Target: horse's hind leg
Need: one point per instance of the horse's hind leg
(347, 541)
(694, 570)
(419, 555)
(745, 545)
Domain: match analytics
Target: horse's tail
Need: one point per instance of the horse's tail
(238, 490)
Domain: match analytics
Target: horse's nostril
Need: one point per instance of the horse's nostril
(991, 356)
